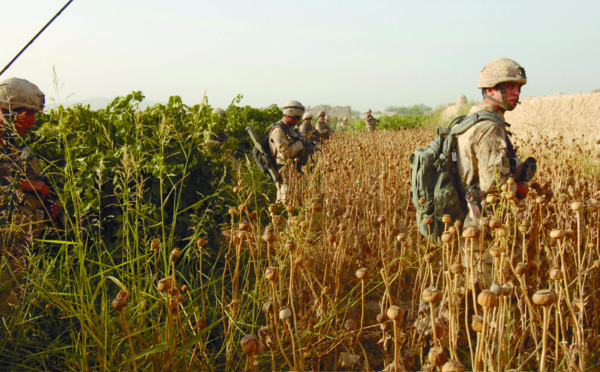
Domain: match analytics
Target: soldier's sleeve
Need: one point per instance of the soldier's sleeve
(492, 157)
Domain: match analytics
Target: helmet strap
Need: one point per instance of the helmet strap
(504, 103)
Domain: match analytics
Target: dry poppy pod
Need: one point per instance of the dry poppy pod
(382, 318)
(432, 294)
(381, 219)
(592, 208)
(447, 218)
(510, 181)
(496, 289)
(201, 242)
(540, 199)
(268, 237)
(447, 237)
(155, 244)
(326, 290)
(504, 188)
(272, 208)
(570, 233)
(557, 234)
(290, 209)
(290, 245)
(331, 238)
(236, 189)
(401, 237)
(245, 226)
(495, 223)
(597, 264)
(342, 226)
(562, 199)
(242, 236)
(491, 198)
(453, 366)
(422, 201)
(272, 273)
(437, 356)
(242, 208)
(285, 313)
(317, 207)
(507, 290)
(545, 297)
(394, 312)
(521, 268)
(576, 206)
(477, 323)
(118, 303)
(457, 224)
(233, 211)
(250, 344)
(495, 251)
(123, 294)
(457, 268)
(471, 232)
(487, 299)
(508, 195)
(452, 230)
(555, 274)
(175, 253)
(185, 288)
(165, 284)
(349, 325)
(362, 273)
(253, 215)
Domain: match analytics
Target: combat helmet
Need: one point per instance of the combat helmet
(293, 108)
(321, 113)
(501, 70)
(219, 111)
(18, 93)
(307, 115)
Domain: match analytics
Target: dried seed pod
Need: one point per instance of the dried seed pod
(487, 299)
(453, 366)
(165, 284)
(201, 242)
(326, 290)
(285, 313)
(447, 237)
(557, 234)
(394, 312)
(316, 207)
(496, 251)
(428, 220)
(123, 294)
(422, 201)
(570, 233)
(155, 244)
(521, 268)
(118, 303)
(540, 199)
(175, 253)
(471, 232)
(289, 209)
(290, 246)
(362, 273)
(233, 211)
(491, 198)
(253, 215)
(381, 219)
(555, 274)
(544, 297)
(268, 236)
(250, 344)
(597, 264)
(447, 218)
(245, 226)
(477, 323)
(437, 356)
(495, 223)
(457, 268)
(452, 230)
(272, 273)
(576, 206)
(507, 290)
(272, 208)
(432, 294)
(331, 238)
(496, 289)
(458, 224)
(349, 325)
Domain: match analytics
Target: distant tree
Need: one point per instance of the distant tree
(355, 112)
(413, 110)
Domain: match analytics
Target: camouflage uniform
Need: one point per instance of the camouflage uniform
(370, 122)
(307, 131)
(284, 144)
(485, 154)
(323, 129)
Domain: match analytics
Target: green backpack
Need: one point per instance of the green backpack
(433, 175)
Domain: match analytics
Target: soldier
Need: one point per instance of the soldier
(219, 124)
(24, 194)
(322, 126)
(306, 129)
(286, 144)
(370, 122)
(485, 155)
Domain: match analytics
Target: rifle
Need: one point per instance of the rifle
(262, 157)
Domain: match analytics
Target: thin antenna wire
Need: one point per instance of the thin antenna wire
(35, 37)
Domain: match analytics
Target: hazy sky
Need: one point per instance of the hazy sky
(366, 54)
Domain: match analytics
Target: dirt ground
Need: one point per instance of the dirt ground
(569, 115)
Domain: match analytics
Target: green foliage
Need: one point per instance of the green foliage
(401, 122)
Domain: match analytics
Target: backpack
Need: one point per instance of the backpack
(262, 153)
(433, 175)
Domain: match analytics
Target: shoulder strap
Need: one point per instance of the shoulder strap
(461, 124)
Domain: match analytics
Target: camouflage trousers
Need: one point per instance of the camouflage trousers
(370, 128)
(288, 191)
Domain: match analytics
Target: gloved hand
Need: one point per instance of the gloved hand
(54, 209)
(522, 190)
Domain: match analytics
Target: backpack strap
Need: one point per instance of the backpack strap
(461, 124)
